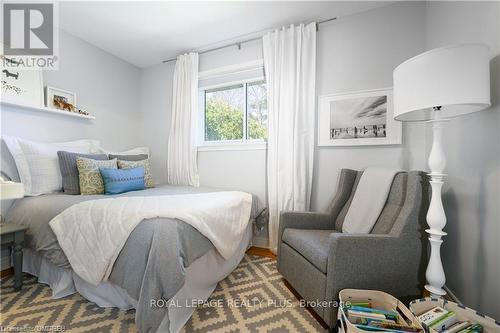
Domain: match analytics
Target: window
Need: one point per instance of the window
(236, 113)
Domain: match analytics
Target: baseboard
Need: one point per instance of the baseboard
(262, 242)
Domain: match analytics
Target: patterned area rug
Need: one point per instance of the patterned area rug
(253, 298)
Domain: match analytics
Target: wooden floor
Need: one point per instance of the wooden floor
(261, 252)
(7, 272)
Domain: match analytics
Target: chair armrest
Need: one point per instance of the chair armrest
(373, 261)
(303, 220)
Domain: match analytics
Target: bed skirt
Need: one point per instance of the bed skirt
(202, 277)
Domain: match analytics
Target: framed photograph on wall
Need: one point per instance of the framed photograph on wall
(56, 98)
(21, 86)
(359, 118)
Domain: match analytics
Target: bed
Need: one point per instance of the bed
(164, 267)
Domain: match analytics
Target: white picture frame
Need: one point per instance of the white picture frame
(23, 87)
(52, 92)
(360, 118)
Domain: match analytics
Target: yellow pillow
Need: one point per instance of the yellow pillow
(148, 178)
(89, 176)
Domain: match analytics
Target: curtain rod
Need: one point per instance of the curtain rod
(238, 44)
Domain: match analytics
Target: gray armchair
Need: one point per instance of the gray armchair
(318, 260)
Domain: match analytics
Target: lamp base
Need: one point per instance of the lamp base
(436, 217)
(435, 292)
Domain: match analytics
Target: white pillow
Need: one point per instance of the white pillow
(37, 162)
(134, 151)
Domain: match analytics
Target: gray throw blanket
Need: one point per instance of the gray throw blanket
(152, 263)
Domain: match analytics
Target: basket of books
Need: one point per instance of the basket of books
(375, 311)
(442, 316)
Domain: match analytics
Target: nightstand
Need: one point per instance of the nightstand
(13, 235)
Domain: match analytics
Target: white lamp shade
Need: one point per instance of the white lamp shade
(456, 78)
(11, 190)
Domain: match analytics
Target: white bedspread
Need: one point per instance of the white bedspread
(92, 233)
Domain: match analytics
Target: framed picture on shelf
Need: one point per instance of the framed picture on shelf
(56, 98)
(359, 118)
(21, 86)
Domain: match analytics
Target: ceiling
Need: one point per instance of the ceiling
(144, 33)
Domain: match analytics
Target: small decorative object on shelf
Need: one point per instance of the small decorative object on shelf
(60, 99)
(80, 111)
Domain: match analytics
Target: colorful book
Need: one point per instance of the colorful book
(457, 327)
(364, 304)
(440, 324)
(388, 314)
(357, 317)
(432, 315)
(379, 329)
(475, 328)
(399, 327)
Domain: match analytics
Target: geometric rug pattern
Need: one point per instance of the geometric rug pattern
(253, 298)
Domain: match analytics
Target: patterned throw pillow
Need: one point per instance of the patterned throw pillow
(89, 176)
(148, 178)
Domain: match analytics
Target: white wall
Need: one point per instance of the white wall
(471, 250)
(354, 53)
(105, 86)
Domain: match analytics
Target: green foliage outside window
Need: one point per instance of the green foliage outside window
(223, 121)
(225, 113)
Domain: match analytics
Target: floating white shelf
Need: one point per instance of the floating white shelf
(48, 110)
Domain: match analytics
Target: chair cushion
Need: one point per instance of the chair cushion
(314, 245)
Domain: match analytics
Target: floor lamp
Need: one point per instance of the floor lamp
(435, 86)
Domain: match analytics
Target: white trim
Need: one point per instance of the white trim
(47, 110)
(232, 145)
(232, 83)
(231, 69)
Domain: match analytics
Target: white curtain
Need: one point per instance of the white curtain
(182, 165)
(290, 67)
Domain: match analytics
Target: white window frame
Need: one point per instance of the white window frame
(244, 144)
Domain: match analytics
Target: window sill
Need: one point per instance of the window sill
(233, 146)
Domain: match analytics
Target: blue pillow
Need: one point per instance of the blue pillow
(118, 181)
